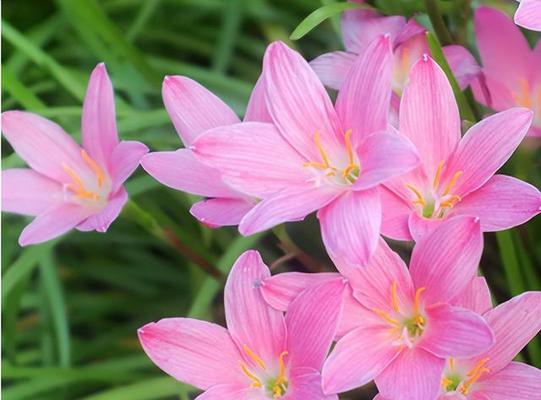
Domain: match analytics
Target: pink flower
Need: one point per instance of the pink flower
(511, 74)
(361, 27)
(69, 186)
(528, 14)
(406, 323)
(316, 156)
(456, 176)
(261, 355)
(193, 110)
(494, 375)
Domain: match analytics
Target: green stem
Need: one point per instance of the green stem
(289, 246)
(166, 235)
(438, 23)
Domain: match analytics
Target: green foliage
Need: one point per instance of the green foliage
(71, 307)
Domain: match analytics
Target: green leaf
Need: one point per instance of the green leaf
(321, 14)
(23, 266)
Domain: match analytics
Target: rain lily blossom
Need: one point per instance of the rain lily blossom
(315, 156)
(494, 375)
(528, 14)
(68, 186)
(456, 176)
(407, 325)
(193, 110)
(262, 354)
(511, 72)
(361, 26)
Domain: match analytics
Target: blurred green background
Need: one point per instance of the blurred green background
(71, 308)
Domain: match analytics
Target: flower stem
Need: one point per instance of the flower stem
(288, 246)
(438, 23)
(166, 235)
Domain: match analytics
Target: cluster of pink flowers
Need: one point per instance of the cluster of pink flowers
(387, 158)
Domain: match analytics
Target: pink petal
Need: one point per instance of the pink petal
(517, 381)
(372, 284)
(504, 51)
(281, 289)
(361, 27)
(486, 147)
(332, 68)
(312, 321)
(42, 144)
(528, 15)
(420, 226)
(292, 204)
(194, 109)
(26, 192)
(445, 261)
(124, 160)
(299, 104)
(53, 222)
(251, 322)
(514, 323)
(501, 203)
(305, 383)
(475, 297)
(257, 106)
(181, 170)
(396, 211)
(219, 212)
(357, 358)
(101, 221)
(414, 374)
(463, 65)
(229, 391)
(436, 131)
(409, 31)
(490, 91)
(186, 349)
(455, 331)
(245, 154)
(98, 121)
(363, 101)
(350, 226)
(354, 314)
(384, 156)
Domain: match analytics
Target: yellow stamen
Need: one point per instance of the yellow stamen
(417, 300)
(94, 167)
(405, 60)
(420, 199)
(394, 297)
(451, 364)
(321, 150)
(254, 356)
(256, 383)
(436, 181)
(387, 317)
(446, 382)
(278, 388)
(474, 374)
(452, 183)
(349, 147)
(77, 186)
(451, 202)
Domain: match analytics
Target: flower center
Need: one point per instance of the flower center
(274, 385)
(90, 191)
(326, 170)
(454, 381)
(406, 325)
(437, 201)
